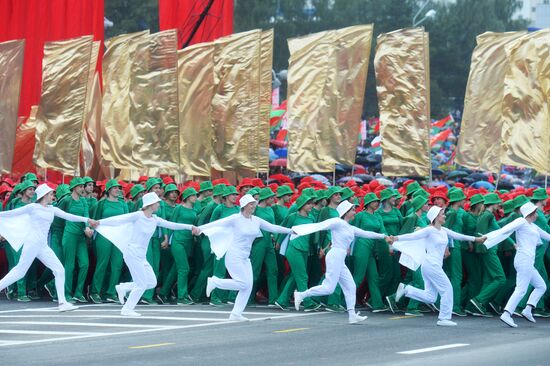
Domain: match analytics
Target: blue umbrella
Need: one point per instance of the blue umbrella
(272, 155)
(282, 153)
(483, 184)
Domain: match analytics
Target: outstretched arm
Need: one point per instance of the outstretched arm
(67, 216)
(18, 211)
(225, 222)
(543, 234)
(367, 234)
(419, 234)
(457, 236)
(264, 225)
(121, 219)
(172, 225)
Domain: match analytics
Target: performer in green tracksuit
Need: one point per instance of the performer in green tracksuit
(363, 255)
(407, 205)
(207, 265)
(167, 264)
(136, 193)
(108, 257)
(204, 196)
(453, 264)
(227, 208)
(75, 250)
(182, 245)
(280, 210)
(89, 186)
(263, 250)
(389, 268)
(297, 253)
(470, 259)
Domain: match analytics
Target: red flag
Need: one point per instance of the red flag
(281, 135)
(377, 126)
(443, 122)
(442, 136)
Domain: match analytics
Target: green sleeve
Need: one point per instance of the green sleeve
(409, 224)
(216, 214)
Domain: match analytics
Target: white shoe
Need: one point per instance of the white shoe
(400, 292)
(125, 312)
(237, 318)
(507, 318)
(298, 298)
(527, 314)
(120, 293)
(66, 306)
(209, 286)
(446, 323)
(356, 318)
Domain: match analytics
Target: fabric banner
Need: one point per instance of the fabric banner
(326, 86)
(117, 134)
(526, 119)
(236, 101)
(11, 71)
(402, 84)
(24, 143)
(266, 66)
(62, 106)
(482, 118)
(195, 92)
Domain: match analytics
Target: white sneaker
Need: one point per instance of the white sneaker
(400, 292)
(298, 298)
(527, 314)
(446, 323)
(237, 318)
(209, 286)
(120, 293)
(507, 318)
(356, 318)
(66, 306)
(125, 312)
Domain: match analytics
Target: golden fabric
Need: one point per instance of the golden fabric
(236, 101)
(61, 112)
(11, 71)
(195, 92)
(478, 147)
(154, 102)
(266, 65)
(526, 121)
(326, 86)
(24, 139)
(117, 134)
(402, 85)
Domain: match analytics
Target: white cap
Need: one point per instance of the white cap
(246, 199)
(42, 190)
(527, 209)
(344, 207)
(433, 212)
(150, 198)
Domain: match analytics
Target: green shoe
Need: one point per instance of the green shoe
(33, 295)
(81, 299)
(333, 308)
(50, 290)
(313, 307)
(161, 299)
(479, 307)
(413, 312)
(96, 299)
(392, 304)
(185, 301)
(497, 309)
(281, 306)
(9, 294)
(424, 308)
(111, 299)
(540, 313)
(216, 302)
(147, 302)
(23, 298)
(459, 312)
(382, 309)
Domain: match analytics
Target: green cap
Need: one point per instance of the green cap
(219, 189)
(61, 191)
(309, 191)
(456, 195)
(136, 190)
(206, 186)
(320, 194)
(87, 180)
(386, 194)
(491, 199)
(418, 202)
(266, 193)
(421, 192)
(347, 193)
(333, 190)
(476, 199)
(75, 182)
(283, 191)
(30, 176)
(151, 182)
(413, 187)
(171, 188)
(539, 194)
(229, 190)
(508, 206)
(397, 194)
(26, 184)
(188, 193)
(111, 183)
(370, 197)
(520, 201)
(302, 200)
(253, 191)
(16, 189)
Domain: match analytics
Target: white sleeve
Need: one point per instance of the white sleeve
(307, 229)
(226, 222)
(172, 225)
(507, 229)
(419, 234)
(67, 216)
(367, 234)
(457, 236)
(120, 219)
(264, 225)
(543, 234)
(16, 212)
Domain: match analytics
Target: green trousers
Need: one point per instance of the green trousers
(472, 287)
(75, 252)
(108, 259)
(13, 258)
(297, 278)
(260, 254)
(365, 264)
(453, 269)
(493, 276)
(507, 262)
(539, 266)
(181, 252)
(167, 266)
(207, 267)
(153, 258)
(385, 267)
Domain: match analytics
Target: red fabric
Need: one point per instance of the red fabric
(442, 136)
(184, 14)
(442, 122)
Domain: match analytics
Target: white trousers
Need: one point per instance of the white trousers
(143, 278)
(241, 280)
(336, 273)
(526, 274)
(435, 281)
(45, 255)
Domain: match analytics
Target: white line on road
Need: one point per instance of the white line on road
(431, 349)
(48, 332)
(108, 325)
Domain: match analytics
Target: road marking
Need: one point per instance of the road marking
(48, 332)
(403, 317)
(155, 308)
(290, 330)
(431, 349)
(152, 345)
(108, 325)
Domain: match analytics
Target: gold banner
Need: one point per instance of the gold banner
(526, 120)
(266, 65)
(236, 101)
(117, 134)
(24, 142)
(195, 92)
(482, 118)
(154, 102)
(402, 84)
(326, 86)
(62, 108)
(11, 71)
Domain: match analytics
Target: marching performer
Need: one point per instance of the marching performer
(131, 234)
(28, 227)
(342, 236)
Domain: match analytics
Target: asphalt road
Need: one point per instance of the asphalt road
(36, 334)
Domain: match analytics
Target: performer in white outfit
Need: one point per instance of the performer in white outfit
(131, 234)
(343, 235)
(528, 237)
(435, 239)
(28, 227)
(233, 236)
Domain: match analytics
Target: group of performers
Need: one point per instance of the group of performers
(457, 251)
